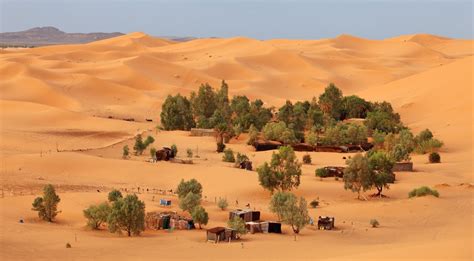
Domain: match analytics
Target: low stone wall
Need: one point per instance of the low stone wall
(403, 166)
(203, 132)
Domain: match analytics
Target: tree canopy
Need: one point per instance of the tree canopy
(282, 173)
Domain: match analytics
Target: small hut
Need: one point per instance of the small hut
(218, 234)
(247, 215)
(164, 154)
(271, 227)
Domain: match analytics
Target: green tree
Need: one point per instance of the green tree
(383, 118)
(357, 175)
(200, 216)
(203, 104)
(191, 185)
(278, 131)
(381, 167)
(330, 101)
(354, 107)
(176, 113)
(114, 195)
(127, 214)
(283, 173)
(189, 202)
(259, 115)
(222, 203)
(141, 145)
(279, 201)
(47, 206)
(237, 224)
(290, 210)
(97, 215)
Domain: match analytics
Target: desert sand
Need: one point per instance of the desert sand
(61, 116)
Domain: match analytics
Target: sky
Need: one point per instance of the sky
(260, 19)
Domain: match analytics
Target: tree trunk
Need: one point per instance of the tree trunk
(200, 226)
(129, 233)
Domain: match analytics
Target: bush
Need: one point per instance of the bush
(253, 135)
(48, 204)
(141, 145)
(222, 203)
(322, 173)
(374, 223)
(189, 153)
(127, 214)
(153, 153)
(423, 191)
(278, 131)
(220, 147)
(97, 215)
(434, 157)
(314, 203)
(200, 216)
(426, 146)
(125, 152)
(228, 156)
(174, 149)
(114, 195)
(237, 224)
(240, 158)
(307, 159)
(68, 245)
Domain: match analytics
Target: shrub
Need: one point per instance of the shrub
(222, 203)
(253, 135)
(228, 156)
(68, 245)
(434, 157)
(174, 149)
(141, 145)
(97, 215)
(48, 204)
(220, 147)
(127, 214)
(153, 153)
(426, 146)
(114, 195)
(240, 158)
(314, 203)
(125, 152)
(307, 159)
(374, 223)
(423, 191)
(283, 173)
(191, 185)
(311, 138)
(200, 216)
(237, 224)
(322, 173)
(189, 153)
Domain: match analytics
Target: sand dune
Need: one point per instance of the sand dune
(61, 117)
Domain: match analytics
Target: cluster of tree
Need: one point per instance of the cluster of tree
(140, 144)
(399, 145)
(190, 195)
(290, 210)
(344, 134)
(209, 108)
(368, 171)
(282, 173)
(119, 213)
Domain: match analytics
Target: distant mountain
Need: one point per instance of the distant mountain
(49, 35)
